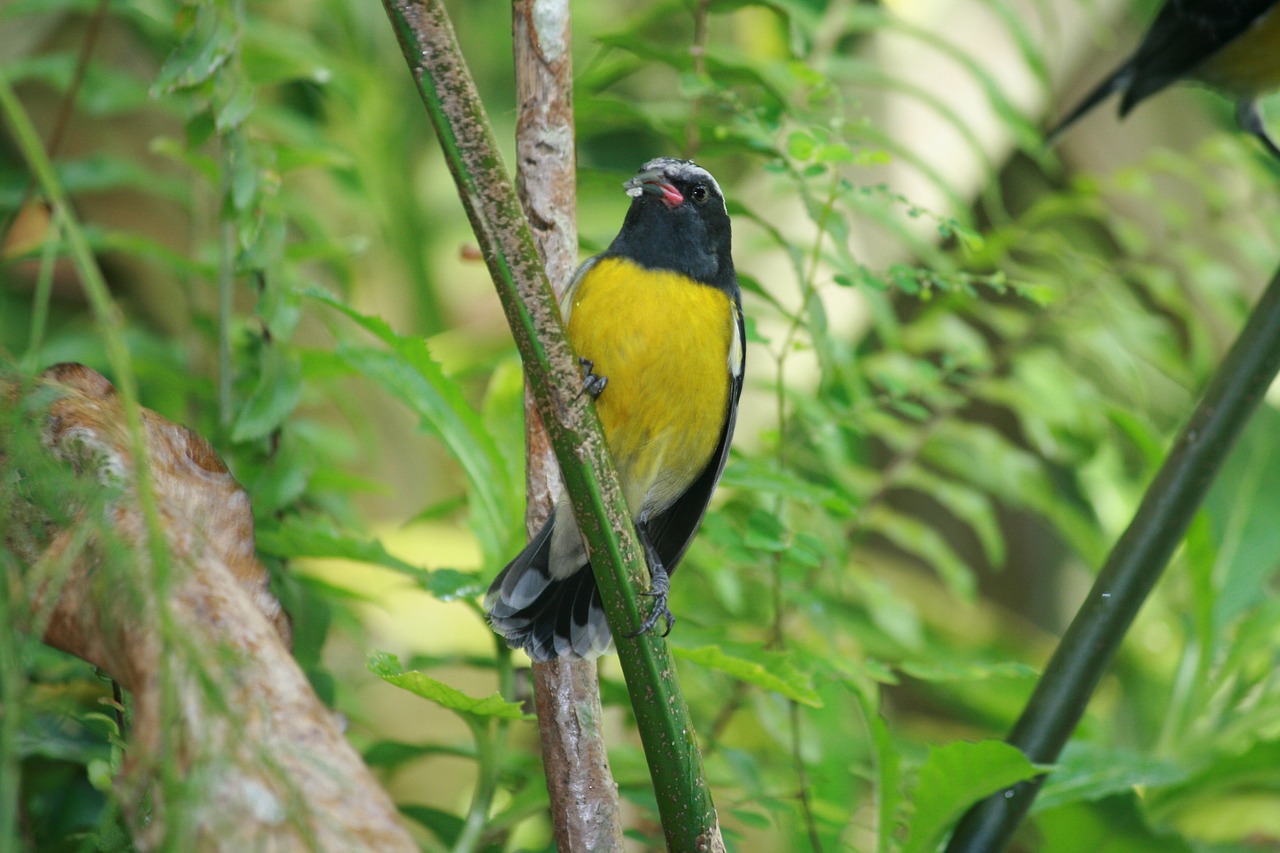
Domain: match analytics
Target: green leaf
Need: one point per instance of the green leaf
(446, 825)
(387, 667)
(941, 671)
(752, 819)
(888, 776)
(971, 506)
(916, 537)
(1242, 508)
(451, 584)
(212, 39)
(771, 671)
(273, 399)
(393, 754)
(954, 777)
(762, 478)
(103, 90)
(318, 537)
(409, 373)
(1088, 772)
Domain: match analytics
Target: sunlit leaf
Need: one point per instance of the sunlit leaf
(955, 776)
(769, 671)
(387, 667)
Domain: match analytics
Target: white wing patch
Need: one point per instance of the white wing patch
(735, 345)
(566, 301)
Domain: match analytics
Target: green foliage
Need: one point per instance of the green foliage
(387, 667)
(952, 777)
(956, 395)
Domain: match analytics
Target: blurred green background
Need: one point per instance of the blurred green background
(968, 355)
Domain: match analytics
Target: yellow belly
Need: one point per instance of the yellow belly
(1249, 65)
(663, 344)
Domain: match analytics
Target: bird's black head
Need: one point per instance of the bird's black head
(677, 221)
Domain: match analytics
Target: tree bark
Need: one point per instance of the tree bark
(584, 797)
(229, 748)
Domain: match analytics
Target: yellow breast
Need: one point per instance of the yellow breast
(663, 343)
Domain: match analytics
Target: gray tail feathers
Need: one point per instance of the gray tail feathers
(548, 617)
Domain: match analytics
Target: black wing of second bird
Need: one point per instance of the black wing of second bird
(1184, 34)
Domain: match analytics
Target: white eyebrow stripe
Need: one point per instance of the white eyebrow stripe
(685, 171)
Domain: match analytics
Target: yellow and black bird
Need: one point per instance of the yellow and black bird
(657, 322)
(1231, 45)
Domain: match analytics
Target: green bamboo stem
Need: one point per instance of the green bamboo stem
(448, 92)
(1131, 571)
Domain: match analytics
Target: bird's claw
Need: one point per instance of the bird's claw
(592, 383)
(659, 586)
(660, 610)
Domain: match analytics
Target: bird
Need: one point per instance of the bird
(1230, 45)
(656, 321)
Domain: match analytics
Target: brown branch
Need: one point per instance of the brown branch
(229, 748)
(584, 797)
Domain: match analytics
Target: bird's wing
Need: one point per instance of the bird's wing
(566, 299)
(1184, 34)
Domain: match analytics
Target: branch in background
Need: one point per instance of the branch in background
(229, 748)
(662, 717)
(1132, 569)
(584, 797)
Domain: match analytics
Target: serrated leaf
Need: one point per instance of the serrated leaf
(319, 538)
(273, 399)
(916, 537)
(973, 507)
(955, 776)
(409, 373)
(387, 667)
(1090, 772)
(771, 672)
(206, 47)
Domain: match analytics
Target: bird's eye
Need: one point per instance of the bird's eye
(699, 194)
